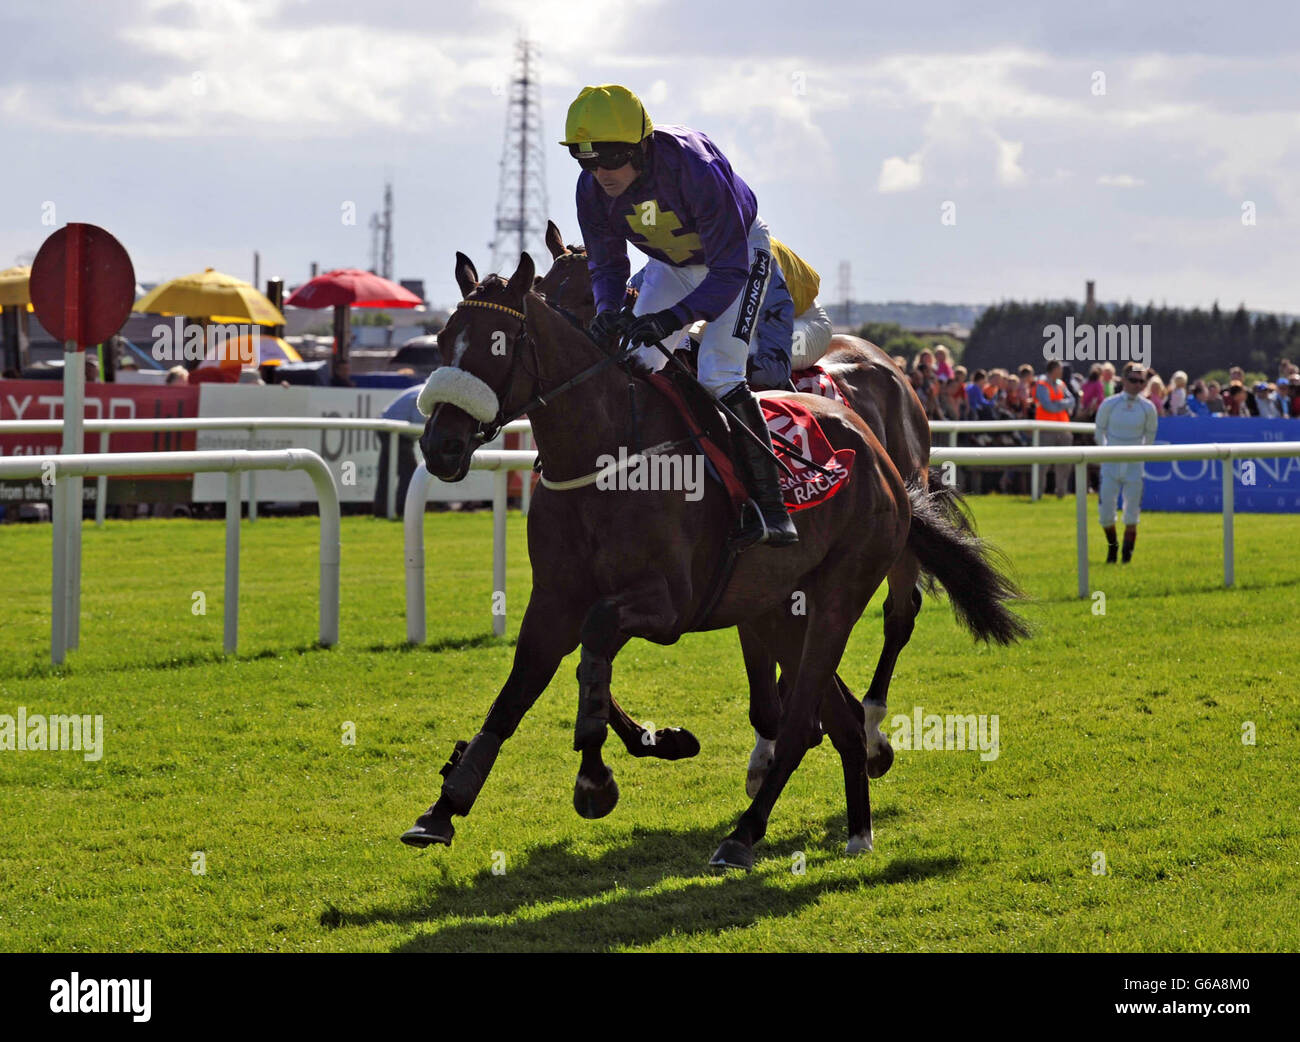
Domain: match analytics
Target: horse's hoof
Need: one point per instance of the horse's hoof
(754, 781)
(860, 844)
(675, 743)
(668, 743)
(594, 800)
(879, 764)
(733, 854)
(430, 828)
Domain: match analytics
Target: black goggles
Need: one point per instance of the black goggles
(603, 159)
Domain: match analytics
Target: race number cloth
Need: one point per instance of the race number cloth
(796, 424)
(815, 380)
(793, 422)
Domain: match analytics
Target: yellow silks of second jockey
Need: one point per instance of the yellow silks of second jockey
(801, 278)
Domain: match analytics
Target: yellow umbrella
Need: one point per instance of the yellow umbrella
(13, 287)
(211, 295)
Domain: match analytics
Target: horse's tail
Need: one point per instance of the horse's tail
(974, 573)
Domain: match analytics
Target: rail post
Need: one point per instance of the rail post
(394, 440)
(252, 478)
(1033, 473)
(1081, 523)
(230, 607)
(1229, 509)
(101, 484)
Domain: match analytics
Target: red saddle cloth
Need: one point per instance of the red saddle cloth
(815, 380)
(796, 424)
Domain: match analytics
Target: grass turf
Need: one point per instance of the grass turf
(1120, 738)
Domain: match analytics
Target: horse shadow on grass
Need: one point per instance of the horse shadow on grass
(467, 642)
(619, 893)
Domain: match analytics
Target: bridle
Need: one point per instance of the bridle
(489, 431)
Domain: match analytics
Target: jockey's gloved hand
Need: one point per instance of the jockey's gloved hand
(657, 325)
(610, 324)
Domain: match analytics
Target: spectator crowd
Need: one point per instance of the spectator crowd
(949, 392)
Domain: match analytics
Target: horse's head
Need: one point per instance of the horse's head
(483, 379)
(568, 284)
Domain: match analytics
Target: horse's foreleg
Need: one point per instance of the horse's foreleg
(825, 635)
(644, 608)
(764, 705)
(546, 635)
(844, 720)
(595, 793)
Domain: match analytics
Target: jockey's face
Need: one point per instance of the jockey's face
(616, 182)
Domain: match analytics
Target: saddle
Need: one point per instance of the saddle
(817, 470)
(709, 432)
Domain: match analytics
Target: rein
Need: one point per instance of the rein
(544, 399)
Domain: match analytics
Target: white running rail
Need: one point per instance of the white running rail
(1080, 456)
(65, 588)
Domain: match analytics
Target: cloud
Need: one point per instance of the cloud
(1120, 181)
(1009, 170)
(900, 175)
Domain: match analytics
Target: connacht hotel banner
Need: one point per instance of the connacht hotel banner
(1260, 486)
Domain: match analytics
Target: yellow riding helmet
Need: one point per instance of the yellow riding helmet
(606, 113)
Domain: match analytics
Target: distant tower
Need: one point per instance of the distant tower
(522, 209)
(846, 290)
(1090, 296)
(381, 236)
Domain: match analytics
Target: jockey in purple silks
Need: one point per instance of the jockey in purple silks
(670, 192)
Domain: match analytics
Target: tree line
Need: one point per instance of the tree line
(1196, 341)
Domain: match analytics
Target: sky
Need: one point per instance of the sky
(946, 151)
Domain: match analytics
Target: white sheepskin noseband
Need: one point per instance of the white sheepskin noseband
(461, 389)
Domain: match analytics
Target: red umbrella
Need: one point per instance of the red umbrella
(347, 288)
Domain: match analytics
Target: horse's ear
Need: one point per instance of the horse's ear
(466, 276)
(522, 280)
(554, 240)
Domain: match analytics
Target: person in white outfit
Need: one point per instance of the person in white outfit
(1124, 419)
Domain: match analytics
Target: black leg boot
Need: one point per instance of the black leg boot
(761, 475)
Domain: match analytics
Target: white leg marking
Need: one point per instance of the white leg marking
(876, 739)
(759, 762)
(861, 843)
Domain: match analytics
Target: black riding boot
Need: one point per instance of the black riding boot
(772, 525)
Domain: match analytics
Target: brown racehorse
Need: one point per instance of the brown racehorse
(609, 565)
(878, 391)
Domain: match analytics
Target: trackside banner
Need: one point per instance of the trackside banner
(1261, 486)
(43, 400)
(353, 456)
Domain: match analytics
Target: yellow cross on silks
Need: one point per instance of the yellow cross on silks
(656, 227)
